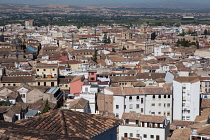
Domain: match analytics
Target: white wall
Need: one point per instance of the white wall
(187, 99)
(141, 131)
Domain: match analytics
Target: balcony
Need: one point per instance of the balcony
(47, 78)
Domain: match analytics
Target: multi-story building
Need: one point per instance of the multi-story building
(186, 98)
(144, 100)
(143, 127)
(46, 75)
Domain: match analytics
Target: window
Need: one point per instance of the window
(124, 106)
(168, 104)
(159, 104)
(117, 106)
(14, 84)
(145, 135)
(164, 96)
(142, 110)
(38, 83)
(153, 96)
(153, 113)
(126, 121)
(8, 84)
(92, 79)
(168, 113)
(92, 73)
(152, 136)
(157, 137)
(37, 69)
(137, 135)
(159, 113)
(137, 98)
(66, 85)
(53, 69)
(137, 121)
(153, 104)
(125, 134)
(137, 105)
(131, 135)
(45, 84)
(22, 95)
(142, 101)
(3, 84)
(86, 89)
(130, 98)
(44, 69)
(52, 84)
(164, 105)
(159, 96)
(168, 96)
(131, 106)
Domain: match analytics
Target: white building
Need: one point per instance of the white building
(186, 98)
(158, 51)
(143, 127)
(144, 100)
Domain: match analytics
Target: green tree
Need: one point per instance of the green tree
(94, 58)
(46, 107)
(113, 50)
(197, 44)
(124, 48)
(205, 32)
(105, 39)
(108, 40)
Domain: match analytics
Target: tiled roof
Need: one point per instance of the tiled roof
(77, 78)
(143, 118)
(17, 79)
(78, 104)
(151, 118)
(203, 116)
(10, 131)
(139, 90)
(204, 130)
(205, 103)
(153, 76)
(123, 78)
(131, 115)
(181, 123)
(181, 134)
(71, 123)
(187, 79)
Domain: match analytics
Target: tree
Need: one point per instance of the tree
(108, 40)
(205, 32)
(94, 58)
(105, 39)
(114, 40)
(197, 44)
(124, 48)
(46, 107)
(113, 50)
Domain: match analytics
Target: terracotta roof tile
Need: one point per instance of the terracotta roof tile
(187, 79)
(71, 123)
(143, 118)
(181, 134)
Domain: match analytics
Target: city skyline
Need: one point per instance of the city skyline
(143, 3)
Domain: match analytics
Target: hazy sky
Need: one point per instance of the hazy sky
(96, 2)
